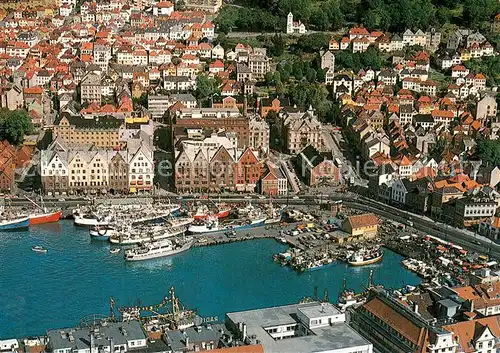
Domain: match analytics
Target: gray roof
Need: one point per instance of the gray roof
(79, 338)
(209, 333)
(328, 338)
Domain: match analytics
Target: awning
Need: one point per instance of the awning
(133, 190)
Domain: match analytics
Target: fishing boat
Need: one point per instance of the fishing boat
(14, 224)
(363, 257)
(114, 250)
(46, 217)
(43, 215)
(39, 249)
(158, 249)
(212, 226)
(123, 238)
(203, 212)
(102, 232)
(319, 265)
(180, 221)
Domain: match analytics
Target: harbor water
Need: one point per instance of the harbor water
(77, 276)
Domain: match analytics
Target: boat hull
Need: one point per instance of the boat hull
(45, 218)
(88, 222)
(366, 262)
(221, 214)
(17, 224)
(322, 267)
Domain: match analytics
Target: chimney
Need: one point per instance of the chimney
(244, 333)
(92, 343)
(187, 341)
(415, 307)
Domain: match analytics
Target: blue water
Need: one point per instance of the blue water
(77, 276)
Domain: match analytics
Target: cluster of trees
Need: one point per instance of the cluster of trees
(489, 152)
(206, 89)
(392, 15)
(490, 66)
(233, 18)
(372, 58)
(14, 125)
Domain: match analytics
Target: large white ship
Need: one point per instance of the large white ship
(158, 249)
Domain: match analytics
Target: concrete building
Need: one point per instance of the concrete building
(258, 134)
(306, 328)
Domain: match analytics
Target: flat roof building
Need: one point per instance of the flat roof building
(306, 328)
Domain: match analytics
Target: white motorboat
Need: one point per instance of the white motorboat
(89, 220)
(39, 249)
(114, 250)
(101, 232)
(158, 249)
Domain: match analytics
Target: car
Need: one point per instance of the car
(295, 197)
(477, 242)
(62, 200)
(262, 197)
(248, 197)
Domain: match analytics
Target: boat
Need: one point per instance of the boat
(203, 212)
(212, 226)
(363, 257)
(88, 220)
(39, 249)
(114, 250)
(319, 265)
(158, 249)
(180, 221)
(123, 238)
(46, 217)
(102, 232)
(14, 224)
(43, 216)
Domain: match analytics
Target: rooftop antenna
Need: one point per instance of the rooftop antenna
(315, 292)
(326, 299)
(370, 279)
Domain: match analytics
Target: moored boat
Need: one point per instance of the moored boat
(131, 239)
(362, 258)
(212, 226)
(46, 217)
(158, 249)
(319, 265)
(203, 212)
(102, 232)
(88, 220)
(14, 224)
(114, 250)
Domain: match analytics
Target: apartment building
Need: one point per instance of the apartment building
(102, 131)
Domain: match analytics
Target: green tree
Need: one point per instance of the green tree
(206, 88)
(14, 125)
(489, 152)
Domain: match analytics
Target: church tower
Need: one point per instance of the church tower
(289, 23)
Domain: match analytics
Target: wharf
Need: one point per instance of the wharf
(264, 232)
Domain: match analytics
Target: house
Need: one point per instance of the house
(247, 171)
(294, 26)
(486, 108)
(275, 182)
(315, 167)
(361, 226)
(327, 60)
(301, 130)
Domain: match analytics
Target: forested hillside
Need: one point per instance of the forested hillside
(391, 15)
